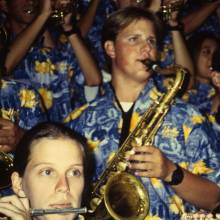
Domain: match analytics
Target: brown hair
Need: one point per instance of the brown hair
(120, 19)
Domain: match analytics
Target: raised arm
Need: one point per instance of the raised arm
(194, 19)
(87, 63)
(86, 21)
(181, 53)
(26, 36)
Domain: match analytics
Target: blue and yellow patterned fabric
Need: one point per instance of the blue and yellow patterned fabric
(185, 137)
(94, 36)
(20, 103)
(202, 97)
(55, 74)
(47, 71)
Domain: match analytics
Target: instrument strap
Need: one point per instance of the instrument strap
(126, 120)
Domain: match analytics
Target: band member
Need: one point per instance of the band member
(49, 168)
(181, 166)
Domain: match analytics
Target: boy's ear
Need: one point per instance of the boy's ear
(17, 184)
(110, 48)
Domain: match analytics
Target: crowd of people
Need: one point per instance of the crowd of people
(77, 77)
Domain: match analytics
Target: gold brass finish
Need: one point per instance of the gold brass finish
(6, 169)
(125, 197)
(61, 10)
(121, 203)
(166, 10)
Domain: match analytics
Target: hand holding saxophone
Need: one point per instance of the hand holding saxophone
(149, 161)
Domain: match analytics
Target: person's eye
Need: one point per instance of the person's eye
(133, 39)
(75, 172)
(46, 172)
(152, 42)
(205, 52)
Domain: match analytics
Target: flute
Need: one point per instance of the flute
(40, 212)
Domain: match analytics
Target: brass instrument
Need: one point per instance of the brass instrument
(40, 212)
(166, 10)
(59, 9)
(125, 197)
(6, 159)
(62, 211)
(6, 169)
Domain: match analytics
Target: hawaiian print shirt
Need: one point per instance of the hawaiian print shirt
(185, 137)
(95, 34)
(202, 97)
(55, 74)
(20, 103)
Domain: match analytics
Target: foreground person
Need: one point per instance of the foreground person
(180, 168)
(49, 173)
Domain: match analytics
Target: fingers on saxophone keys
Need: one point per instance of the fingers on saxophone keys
(129, 153)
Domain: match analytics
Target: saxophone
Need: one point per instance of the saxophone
(118, 194)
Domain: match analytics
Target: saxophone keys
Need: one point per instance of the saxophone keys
(94, 203)
(121, 166)
(102, 189)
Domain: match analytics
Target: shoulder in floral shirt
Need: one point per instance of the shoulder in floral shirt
(185, 137)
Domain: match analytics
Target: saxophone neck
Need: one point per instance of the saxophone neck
(172, 70)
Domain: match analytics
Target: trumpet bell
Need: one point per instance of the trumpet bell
(126, 197)
(60, 10)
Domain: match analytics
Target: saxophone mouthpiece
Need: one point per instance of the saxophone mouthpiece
(151, 65)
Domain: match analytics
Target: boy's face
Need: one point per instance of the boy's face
(134, 44)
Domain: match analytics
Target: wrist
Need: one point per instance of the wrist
(176, 27)
(71, 31)
(176, 176)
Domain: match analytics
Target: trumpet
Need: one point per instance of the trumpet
(166, 10)
(59, 9)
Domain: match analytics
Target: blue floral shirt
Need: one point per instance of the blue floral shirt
(185, 137)
(202, 97)
(55, 74)
(94, 36)
(19, 102)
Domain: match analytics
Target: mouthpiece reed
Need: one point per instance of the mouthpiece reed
(40, 212)
(152, 65)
